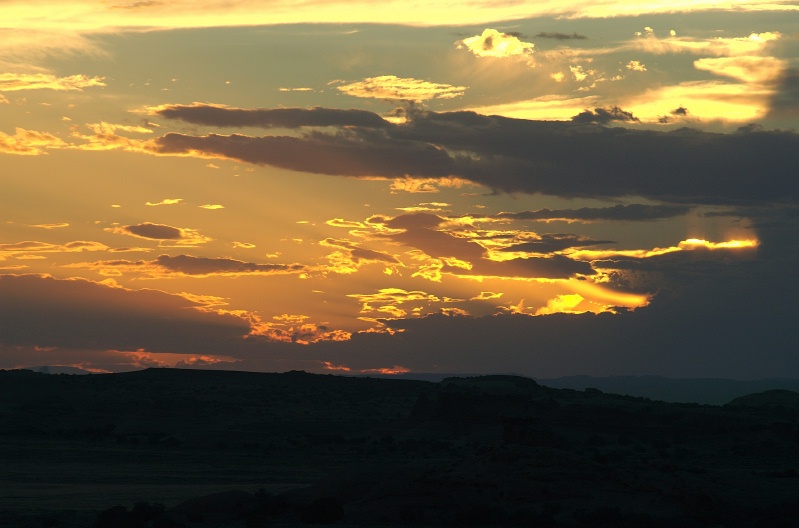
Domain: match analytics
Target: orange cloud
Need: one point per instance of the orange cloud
(166, 235)
(396, 369)
(22, 249)
(166, 266)
(427, 185)
(51, 226)
(302, 333)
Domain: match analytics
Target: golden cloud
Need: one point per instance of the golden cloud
(748, 69)
(545, 108)
(29, 142)
(394, 88)
(179, 266)
(89, 15)
(165, 201)
(717, 46)
(43, 81)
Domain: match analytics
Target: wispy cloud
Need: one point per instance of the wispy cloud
(392, 88)
(166, 266)
(10, 82)
(165, 201)
(29, 142)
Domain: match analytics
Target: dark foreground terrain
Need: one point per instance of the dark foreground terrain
(184, 448)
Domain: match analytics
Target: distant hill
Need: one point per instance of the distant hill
(710, 391)
(224, 449)
(57, 369)
(769, 399)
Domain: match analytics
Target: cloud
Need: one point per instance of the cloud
(290, 331)
(199, 266)
(560, 36)
(635, 65)
(28, 247)
(166, 266)
(177, 235)
(392, 88)
(85, 16)
(224, 116)
(358, 253)
(618, 212)
(493, 43)
(42, 81)
(138, 5)
(51, 226)
(562, 304)
(550, 243)
(546, 107)
(38, 310)
(604, 116)
(341, 154)
(165, 201)
(753, 44)
(515, 155)
(784, 103)
(29, 142)
(748, 69)
(464, 257)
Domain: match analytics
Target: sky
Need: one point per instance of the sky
(552, 188)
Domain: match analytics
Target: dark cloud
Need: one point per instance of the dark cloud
(345, 154)
(785, 103)
(201, 114)
(678, 112)
(154, 231)
(358, 253)
(74, 313)
(557, 158)
(603, 116)
(549, 243)
(560, 36)
(550, 267)
(619, 212)
(211, 266)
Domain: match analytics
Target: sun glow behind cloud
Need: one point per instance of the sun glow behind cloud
(334, 206)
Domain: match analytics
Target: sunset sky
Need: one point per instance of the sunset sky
(603, 187)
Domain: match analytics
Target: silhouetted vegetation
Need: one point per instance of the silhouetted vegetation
(186, 449)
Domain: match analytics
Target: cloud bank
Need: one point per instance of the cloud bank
(569, 159)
